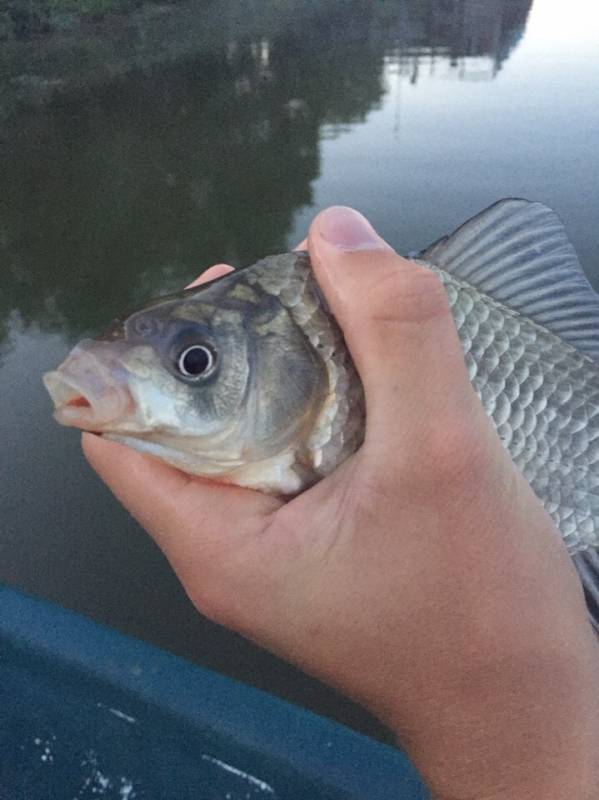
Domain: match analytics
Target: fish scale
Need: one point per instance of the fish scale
(543, 396)
(541, 393)
(339, 429)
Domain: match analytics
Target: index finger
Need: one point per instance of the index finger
(211, 274)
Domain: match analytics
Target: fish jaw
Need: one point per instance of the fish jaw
(279, 475)
(89, 389)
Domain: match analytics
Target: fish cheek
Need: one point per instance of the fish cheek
(221, 397)
(160, 400)
(287, 389)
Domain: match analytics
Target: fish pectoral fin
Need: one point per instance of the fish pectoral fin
(518, 252)
(587, 564)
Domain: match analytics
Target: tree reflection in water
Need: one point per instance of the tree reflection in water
(117, 189)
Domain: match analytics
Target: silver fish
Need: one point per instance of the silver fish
(248, 379)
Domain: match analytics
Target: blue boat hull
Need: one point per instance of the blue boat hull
(89, 713)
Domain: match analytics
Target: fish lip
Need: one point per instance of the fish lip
(95, 375)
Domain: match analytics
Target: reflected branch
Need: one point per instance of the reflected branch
(137, 149)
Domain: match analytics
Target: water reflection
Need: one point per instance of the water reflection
(127, 188)
(474, 36)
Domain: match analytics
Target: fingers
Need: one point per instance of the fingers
(396, 321)
(201, 526)
(190, 519)
(211, 274)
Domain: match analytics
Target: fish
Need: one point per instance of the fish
(247, 379)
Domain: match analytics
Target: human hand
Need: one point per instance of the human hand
(423, 578)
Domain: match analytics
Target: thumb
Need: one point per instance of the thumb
(397, 324)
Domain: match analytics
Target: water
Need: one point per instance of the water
(134, 153)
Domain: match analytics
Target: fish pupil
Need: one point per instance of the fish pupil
(195, 361)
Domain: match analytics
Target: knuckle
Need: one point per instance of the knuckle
(407, 293)
(214, 604)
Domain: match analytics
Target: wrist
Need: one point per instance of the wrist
(533, 734)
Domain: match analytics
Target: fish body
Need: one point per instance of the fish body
(248, 379)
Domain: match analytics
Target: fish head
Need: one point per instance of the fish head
(206, 380)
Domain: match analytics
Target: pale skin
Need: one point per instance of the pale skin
(423, 578)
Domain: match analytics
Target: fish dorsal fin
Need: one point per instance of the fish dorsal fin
(518, 252)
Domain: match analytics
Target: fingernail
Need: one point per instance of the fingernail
(346, 229)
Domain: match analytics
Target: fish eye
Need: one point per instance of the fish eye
(195, 361)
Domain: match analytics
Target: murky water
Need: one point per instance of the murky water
(128, 165)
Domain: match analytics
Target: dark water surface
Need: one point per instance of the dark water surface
(133, 157)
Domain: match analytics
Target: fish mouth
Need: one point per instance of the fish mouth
(89, 389)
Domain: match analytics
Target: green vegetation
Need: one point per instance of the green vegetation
(136, 150)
